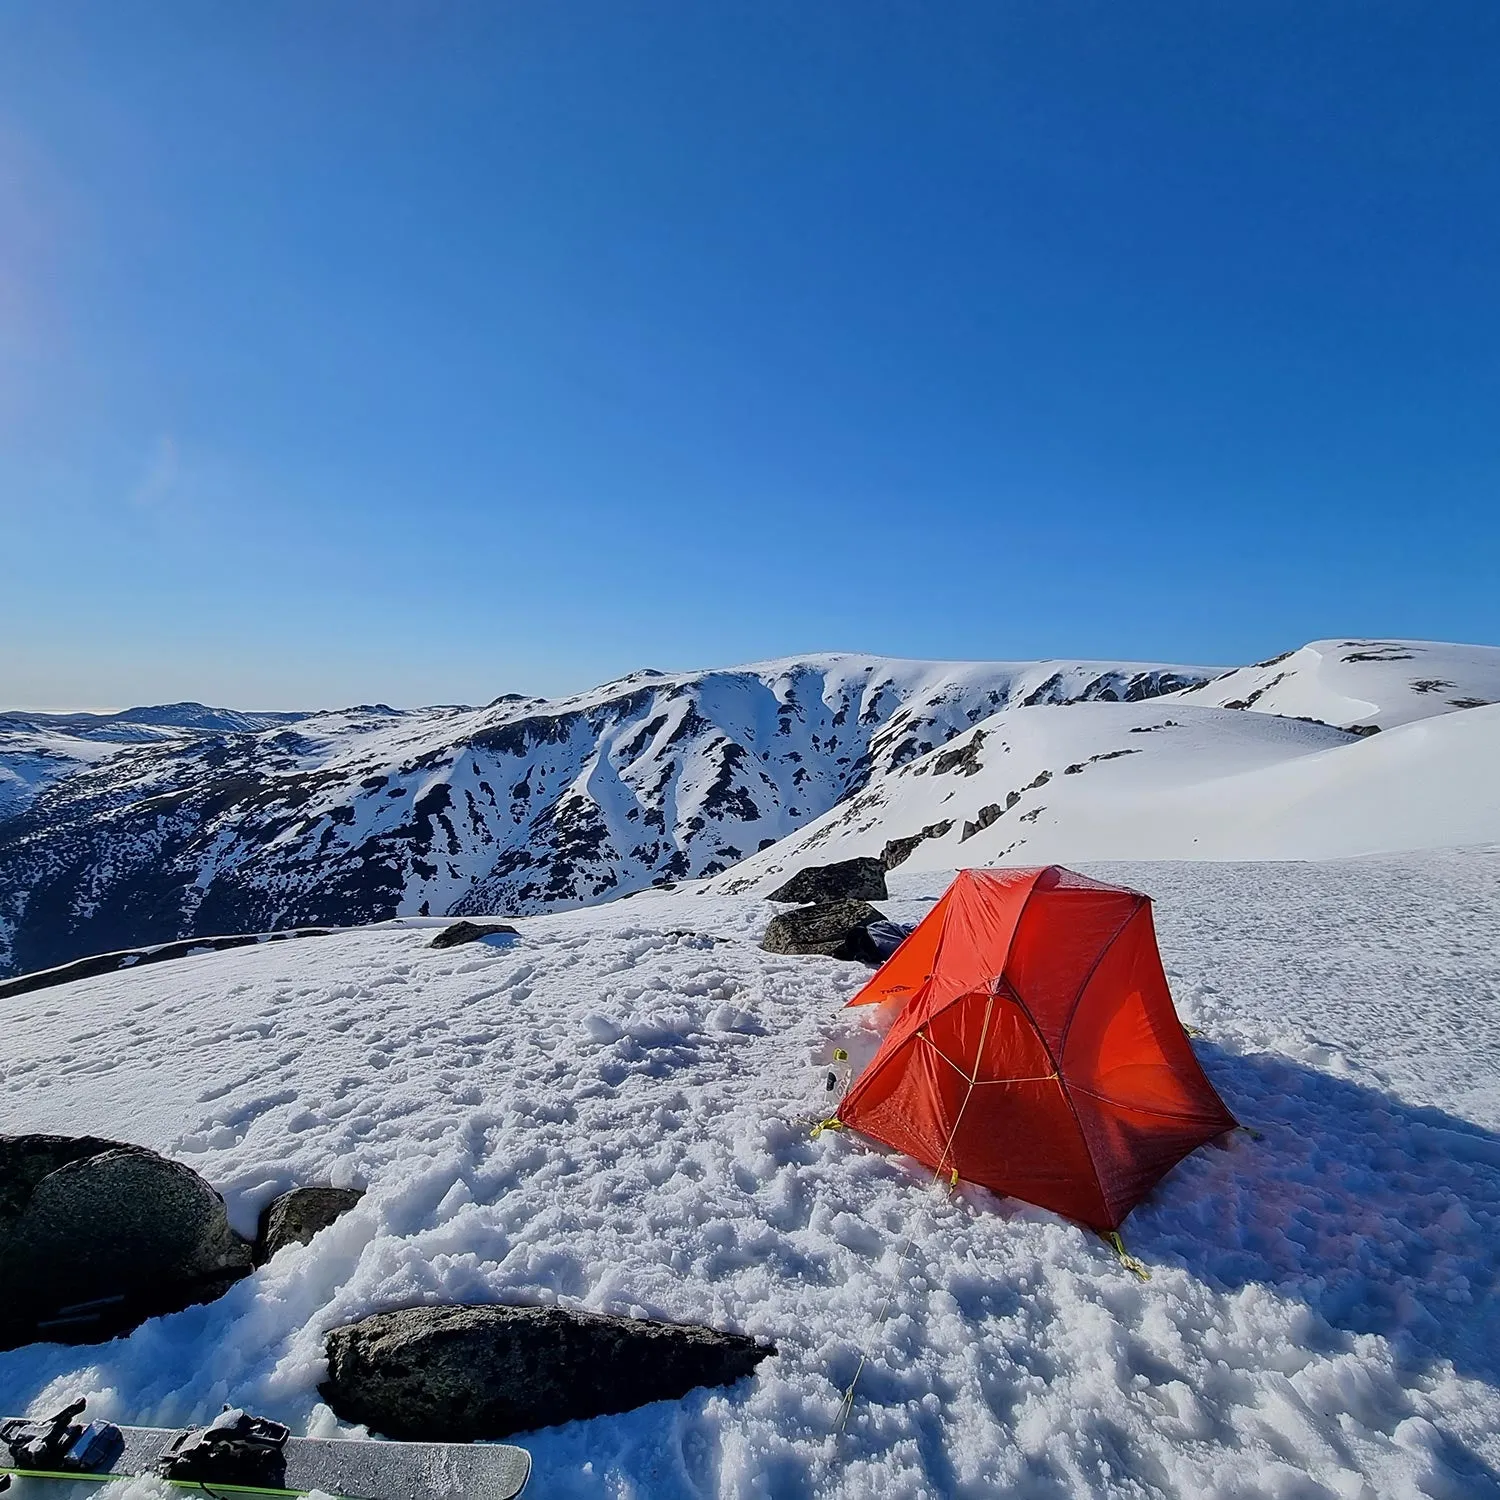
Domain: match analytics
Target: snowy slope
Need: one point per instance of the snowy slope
(524, 805)
(32, 759)
(37, 749)
(1361, 682)
(1162, 781)
(611, 1113)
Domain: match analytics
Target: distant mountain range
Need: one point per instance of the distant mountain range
(137, 723)
(164, 823)
(184, 829)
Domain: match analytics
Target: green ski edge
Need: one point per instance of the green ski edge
(212, 1487)
(75, 1476)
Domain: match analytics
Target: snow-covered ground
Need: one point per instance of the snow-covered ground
(612, 1111)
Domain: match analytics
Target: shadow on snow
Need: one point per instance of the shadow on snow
(1383, 1217)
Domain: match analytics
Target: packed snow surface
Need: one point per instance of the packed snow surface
(612, 1112)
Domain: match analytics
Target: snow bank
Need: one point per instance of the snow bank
(612, 1113)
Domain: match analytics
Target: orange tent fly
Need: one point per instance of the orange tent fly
(1037, 1052)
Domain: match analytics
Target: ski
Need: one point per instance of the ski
(238, 1454)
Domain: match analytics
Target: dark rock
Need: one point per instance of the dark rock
(839, 929)
(470, 932)
(898, 850)
(966, 758)
(848, 880)
(459, 1374)
(26, 1159)
(987, 815)
(295, 1217)
(97, 1236)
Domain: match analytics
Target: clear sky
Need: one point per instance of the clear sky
(428, 351)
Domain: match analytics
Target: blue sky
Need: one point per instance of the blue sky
(429, 351)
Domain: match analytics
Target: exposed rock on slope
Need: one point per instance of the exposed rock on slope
(471, 932)
(522, 806)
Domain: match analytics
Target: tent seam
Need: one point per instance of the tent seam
(973, 1078)
(987, 1083)
(1062, 1041)
(1062, 1088)
(998, 978)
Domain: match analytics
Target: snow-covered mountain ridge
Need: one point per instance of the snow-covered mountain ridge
(1247, 766)
(1361, 684)
(37, 749)
(147, 723)
(1161, 781)
(524, 805)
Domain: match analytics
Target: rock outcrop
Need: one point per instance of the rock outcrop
(460, 1374)
(471, 932)
(849, 880)
(896, 851)
(837, 929)
(295, 1217)
(97, 1236)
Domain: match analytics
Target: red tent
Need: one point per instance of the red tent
(1038, 1052)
